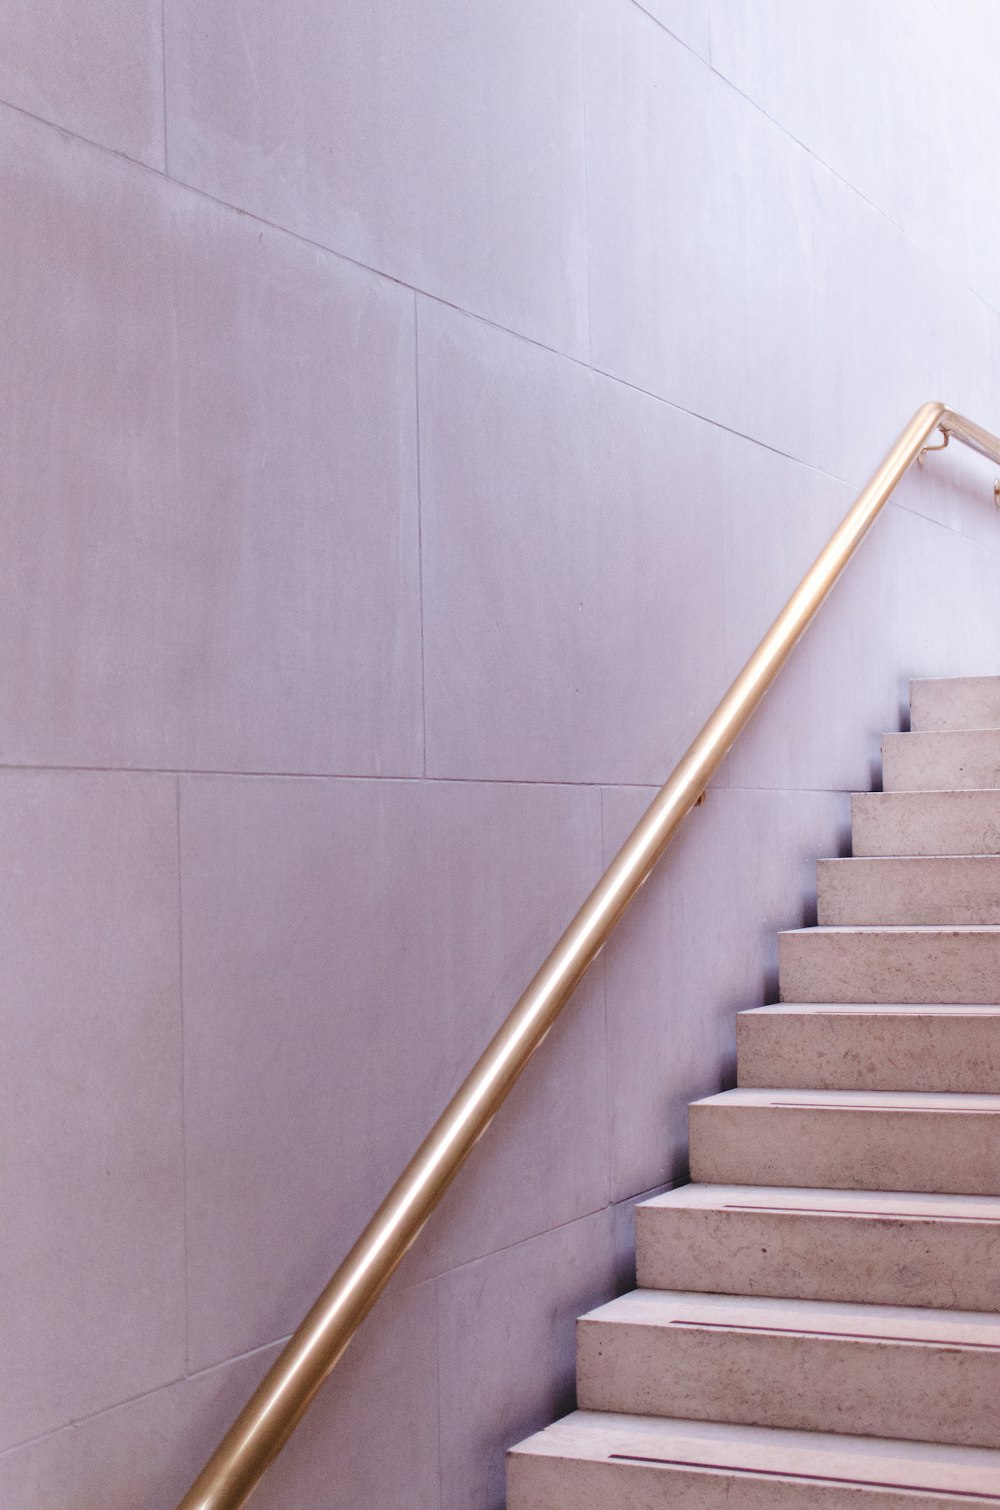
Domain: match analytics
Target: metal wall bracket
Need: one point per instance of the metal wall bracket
(943, 446)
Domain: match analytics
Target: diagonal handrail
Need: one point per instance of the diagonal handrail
(274, 1410)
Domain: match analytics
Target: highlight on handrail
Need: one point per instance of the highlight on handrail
(272, 1413)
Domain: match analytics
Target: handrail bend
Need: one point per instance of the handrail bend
(271, 1415)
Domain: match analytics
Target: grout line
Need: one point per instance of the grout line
(679, 1183)
(515, 335)
(603, 964)
(586, 186)
(728, 669)
(163, 61)
(251, 1352)
(674, 37)
(437, 1387)
(483, 319)
(69, 135)
(145, 1394)
(877, 209)
(555, 784)
(83, 770)
(778, 125)
(908, 236)
(420, 529)
(183, 1067)
(533, 1237)
(387, 277)
(275, 1342)
(520, 1242)
(587, 366)
(716, 424)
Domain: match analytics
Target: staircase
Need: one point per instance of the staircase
(818, 1323)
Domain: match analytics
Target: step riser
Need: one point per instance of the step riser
(564, 1484)
(913, 1391)
(941, 762)
(800, 1256)
(850, 1051)
(937, 1152)
(926, 823)
(893, 892)
(884, 967)
(967, 702)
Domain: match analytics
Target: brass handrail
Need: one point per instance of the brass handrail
(271, 1415)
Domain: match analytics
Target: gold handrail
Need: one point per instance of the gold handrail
(271, 1415)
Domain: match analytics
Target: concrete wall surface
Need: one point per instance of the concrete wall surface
(414, 412)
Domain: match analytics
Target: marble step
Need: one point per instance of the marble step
(598, 1460)
(959, 759)
(955, 702)
(926, 823)
(880, 1247)
(848, 1140)
(802, 1365)
(870, 1047)
(932, 889)
(952, 964)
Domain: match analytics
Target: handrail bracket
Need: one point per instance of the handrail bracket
(942, 447)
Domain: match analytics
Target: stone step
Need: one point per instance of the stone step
(959, 759)
(926, 823)
(881, 1247)
(598, 1460)
(848, 1140)
(955, 702)
(801, 1365)
(928, 889)
(870, 1047)
(952, 964)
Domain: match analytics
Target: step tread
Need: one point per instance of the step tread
(597, 1436)
(985, 863)
(871, 1009)
(829, 1319)
(814, 1201)
(896, 930)
(945, 1101)
(981, 796)
(981, 736)
(947, 796)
